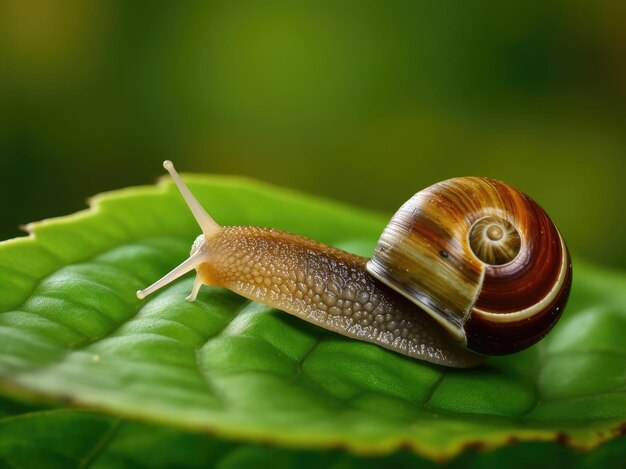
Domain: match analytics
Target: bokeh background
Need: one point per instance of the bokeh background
(365, 102)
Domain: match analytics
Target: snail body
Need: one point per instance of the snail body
(466, 267)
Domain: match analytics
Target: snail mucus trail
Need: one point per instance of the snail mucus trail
(461, 270)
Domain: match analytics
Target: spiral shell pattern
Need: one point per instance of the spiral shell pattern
(480, 257)
(494, 240)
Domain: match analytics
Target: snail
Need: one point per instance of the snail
(466, 268)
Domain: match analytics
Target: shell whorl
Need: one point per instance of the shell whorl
(495, 241)
(480, 257)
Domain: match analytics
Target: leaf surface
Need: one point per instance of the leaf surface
(65, 439)
(71, 329)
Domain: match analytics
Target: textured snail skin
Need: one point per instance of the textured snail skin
(425, 253)
(325, 286)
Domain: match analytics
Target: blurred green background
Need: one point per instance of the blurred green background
(365, 102)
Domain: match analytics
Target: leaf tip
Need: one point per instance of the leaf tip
(28, 228)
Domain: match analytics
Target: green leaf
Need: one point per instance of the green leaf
(67, 439)
(72, 330)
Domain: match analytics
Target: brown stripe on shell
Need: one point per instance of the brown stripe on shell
(501, 338)
(422, 253)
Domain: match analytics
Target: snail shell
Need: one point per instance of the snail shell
(482, 259)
